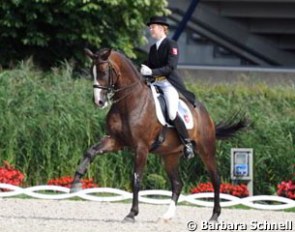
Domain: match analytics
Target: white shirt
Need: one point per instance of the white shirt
(158, 43)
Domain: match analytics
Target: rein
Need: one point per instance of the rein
(110, 88)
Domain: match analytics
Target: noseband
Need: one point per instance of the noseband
(113, 77)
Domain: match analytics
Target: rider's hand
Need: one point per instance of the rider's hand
(145, 70)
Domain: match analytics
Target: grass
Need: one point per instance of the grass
(47, 122)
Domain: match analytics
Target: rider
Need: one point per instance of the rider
(162, 65)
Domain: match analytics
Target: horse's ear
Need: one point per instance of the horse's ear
(90, 54)
(105, 55)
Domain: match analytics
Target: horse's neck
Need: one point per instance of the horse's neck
(130, 82)
(138, 94)
(129, 72)
(135, 89)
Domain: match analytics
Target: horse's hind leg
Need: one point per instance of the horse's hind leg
(208, 158)
(106, 144)
(171, 162)
(216, 185)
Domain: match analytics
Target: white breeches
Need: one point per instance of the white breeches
(171, 97)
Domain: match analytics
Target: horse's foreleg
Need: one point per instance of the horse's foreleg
(171, 166)
(140, 161)
(106, 144)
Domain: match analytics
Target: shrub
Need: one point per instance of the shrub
(271, 134)
(47, 122)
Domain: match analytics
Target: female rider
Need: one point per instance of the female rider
(162, 65)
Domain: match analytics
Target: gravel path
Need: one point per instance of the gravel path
(29, 215)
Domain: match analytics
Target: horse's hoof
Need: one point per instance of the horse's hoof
(128, 219)
(214, 219)
(76, 187)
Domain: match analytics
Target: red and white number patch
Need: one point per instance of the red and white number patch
(186, 118)
(174, 51)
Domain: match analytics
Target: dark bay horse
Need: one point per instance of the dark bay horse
(132, 122)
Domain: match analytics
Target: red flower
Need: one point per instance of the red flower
(10, 175)
(286, 189)
(235, 190)
(66, 181)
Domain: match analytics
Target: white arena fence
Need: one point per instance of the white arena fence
(147, 196)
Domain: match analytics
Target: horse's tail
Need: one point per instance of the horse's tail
(228, 128)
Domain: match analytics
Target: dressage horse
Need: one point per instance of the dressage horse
(132, 122)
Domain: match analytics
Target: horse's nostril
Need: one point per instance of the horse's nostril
(101, 103)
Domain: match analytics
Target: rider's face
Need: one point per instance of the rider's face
(157, 31)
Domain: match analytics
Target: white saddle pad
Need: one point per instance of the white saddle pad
(183, 111)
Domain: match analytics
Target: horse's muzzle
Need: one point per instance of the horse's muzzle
(99, 98)
(100, 103)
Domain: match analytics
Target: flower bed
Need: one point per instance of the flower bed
(235, 190)
(10, 175)
(66, 181)
(286, 189)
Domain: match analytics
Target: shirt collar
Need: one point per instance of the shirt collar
(158, 43)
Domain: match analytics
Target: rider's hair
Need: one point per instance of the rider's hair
(166, 30)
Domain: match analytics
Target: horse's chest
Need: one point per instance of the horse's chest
(114, 123)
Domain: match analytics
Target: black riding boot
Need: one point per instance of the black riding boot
(182, 132)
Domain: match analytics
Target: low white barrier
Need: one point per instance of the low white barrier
(158, 196)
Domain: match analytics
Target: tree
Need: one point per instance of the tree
(54, 30)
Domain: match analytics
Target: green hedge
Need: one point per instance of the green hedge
(47, 121)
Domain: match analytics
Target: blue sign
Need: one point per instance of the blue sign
(241, 170)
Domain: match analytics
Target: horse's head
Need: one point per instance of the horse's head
(103, 79)
(114, 76)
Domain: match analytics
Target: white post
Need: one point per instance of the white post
(242, 166)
